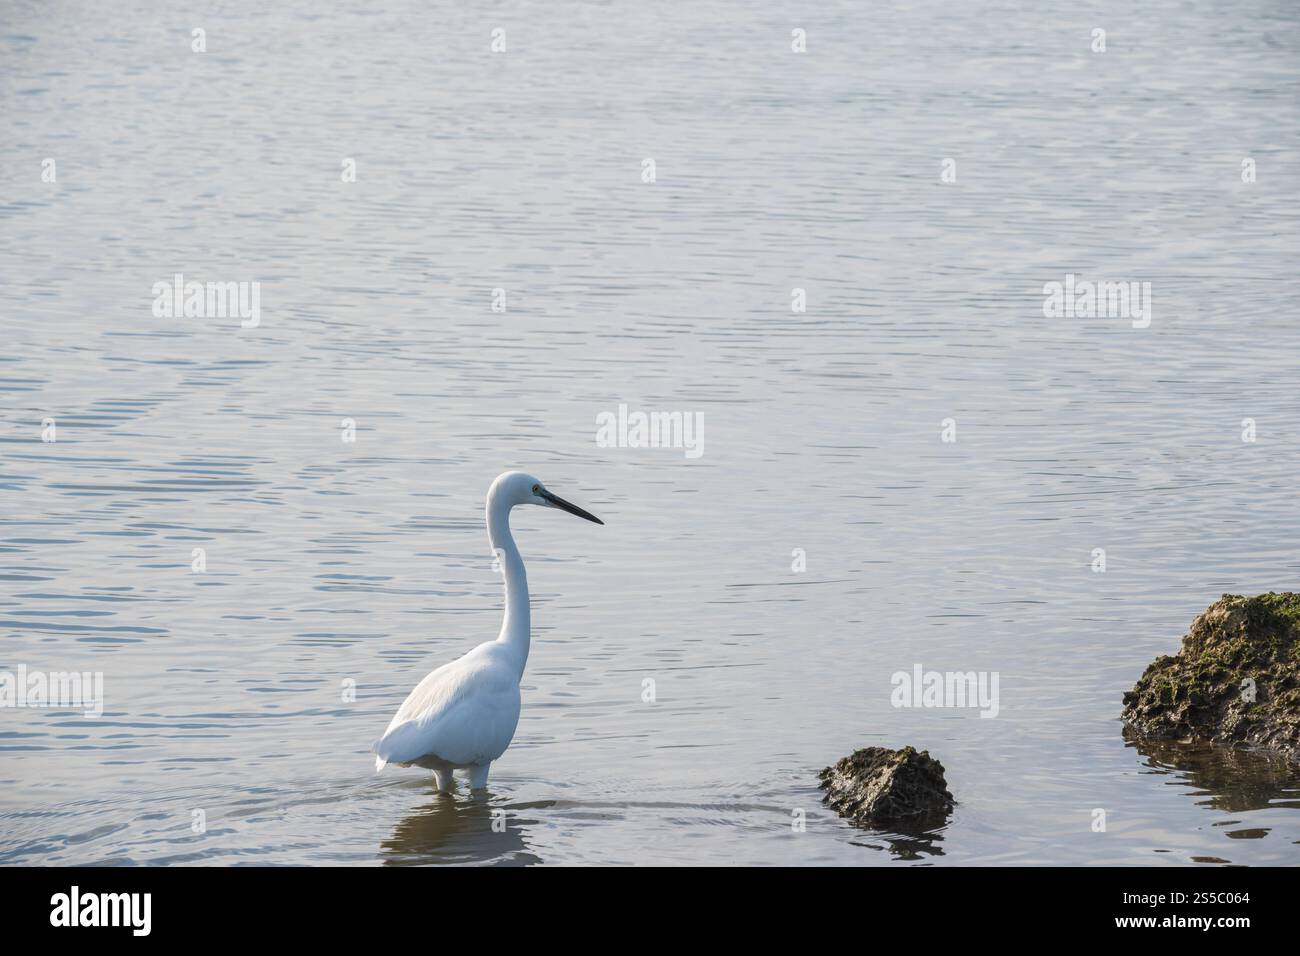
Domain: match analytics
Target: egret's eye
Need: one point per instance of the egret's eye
(537, 489)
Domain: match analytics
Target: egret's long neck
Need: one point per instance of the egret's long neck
(515, 627)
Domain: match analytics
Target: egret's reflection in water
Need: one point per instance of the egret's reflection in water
(455, 829)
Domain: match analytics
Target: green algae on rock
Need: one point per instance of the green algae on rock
(888, 789)
(1235, 681)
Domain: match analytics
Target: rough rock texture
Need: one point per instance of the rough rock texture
(1203, 693)
(888, 789)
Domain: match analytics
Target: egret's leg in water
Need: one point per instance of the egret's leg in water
(444, 780)
(478, 776)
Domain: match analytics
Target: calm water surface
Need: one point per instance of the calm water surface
(367, 562)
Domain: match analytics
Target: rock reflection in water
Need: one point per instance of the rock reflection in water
(906, 847)
(1229, 780)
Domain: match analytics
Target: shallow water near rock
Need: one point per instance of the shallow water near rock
(330, 562)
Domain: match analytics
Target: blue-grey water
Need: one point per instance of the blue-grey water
(685, 684)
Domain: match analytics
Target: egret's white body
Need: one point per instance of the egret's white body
(463, 715)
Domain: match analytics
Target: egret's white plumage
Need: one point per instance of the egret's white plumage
(463, 715)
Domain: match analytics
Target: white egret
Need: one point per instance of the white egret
(463, 715)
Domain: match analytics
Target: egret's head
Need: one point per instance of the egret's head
(517, 488)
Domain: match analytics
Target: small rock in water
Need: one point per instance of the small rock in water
(1235, 681)
(888, 789)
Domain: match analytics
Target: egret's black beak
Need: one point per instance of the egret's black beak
(565, 506)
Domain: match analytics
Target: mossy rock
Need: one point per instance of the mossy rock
(876, 787)
(1235, 681)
